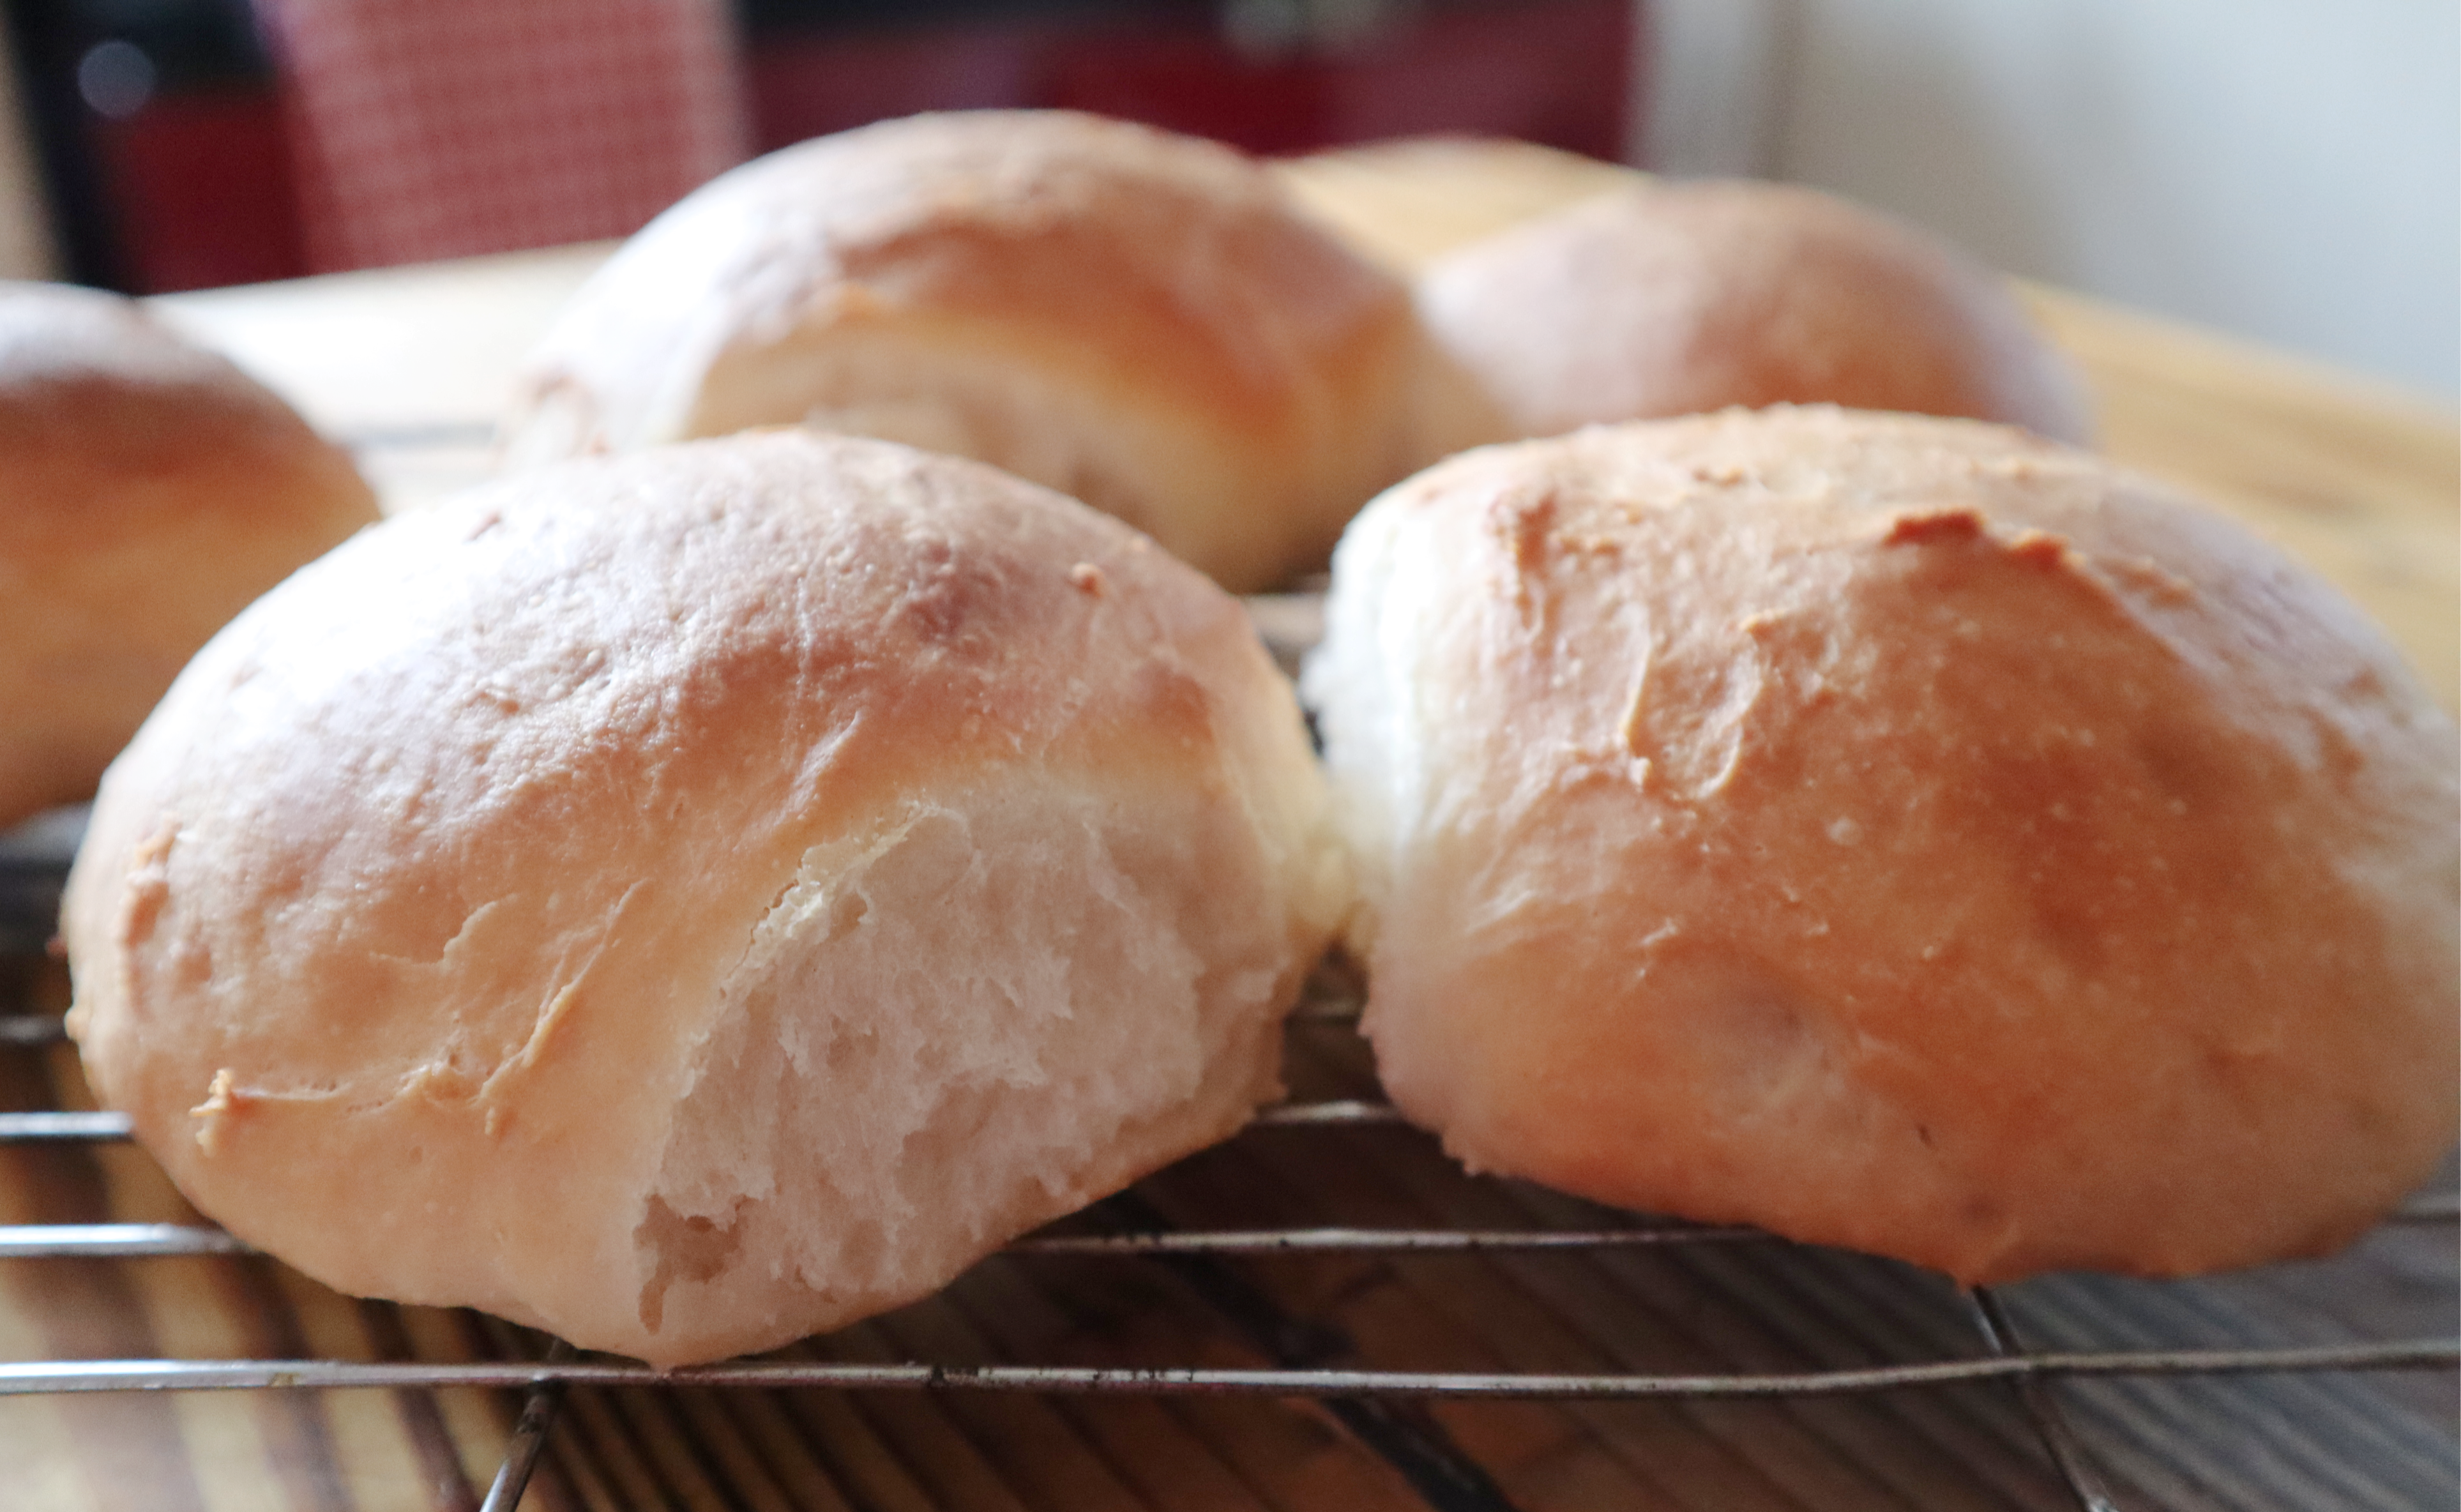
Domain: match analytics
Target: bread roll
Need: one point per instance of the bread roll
(690, 900)
(1142, 320)
(1677, 298)
(1897, 833)
(148, 491)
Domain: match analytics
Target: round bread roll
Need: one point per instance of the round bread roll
(689, 900)
(1142, 320)
(1897, 833)
(1678, 298)
(148, 491)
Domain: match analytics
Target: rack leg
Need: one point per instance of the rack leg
(2066, 1450)
(529, 1436)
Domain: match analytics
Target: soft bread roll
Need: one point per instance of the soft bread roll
(695, 900)
(1678, 298)
(1141, 320)
(1897, 833)
(148, 491)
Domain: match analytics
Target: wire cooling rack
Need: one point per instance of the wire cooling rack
(1388, 1411)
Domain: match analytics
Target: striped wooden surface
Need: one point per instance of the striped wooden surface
(414, 363)
(2243, 1442)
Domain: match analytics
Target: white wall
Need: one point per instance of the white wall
(2287, 169)
(25, 234)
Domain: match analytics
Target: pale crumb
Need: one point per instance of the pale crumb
(223, 1098)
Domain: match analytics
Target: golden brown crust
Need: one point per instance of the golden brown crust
(148, 491)
(659, 867)
(1138, 319)
(1897, 833)
(1680, 298)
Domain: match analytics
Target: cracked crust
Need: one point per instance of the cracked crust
(690, 900)
(1141, 320)
(1897, 833)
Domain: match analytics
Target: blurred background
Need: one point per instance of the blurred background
(2288, 170)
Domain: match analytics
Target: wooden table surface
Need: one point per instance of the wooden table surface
(412, 365)
(2362, 480)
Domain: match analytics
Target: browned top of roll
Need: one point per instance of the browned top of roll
(1142, 320)
(1894, 832)
(148, 491)
(1682, 297)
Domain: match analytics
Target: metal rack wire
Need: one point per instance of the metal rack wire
(1378, 1406)
(1362, 1398)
